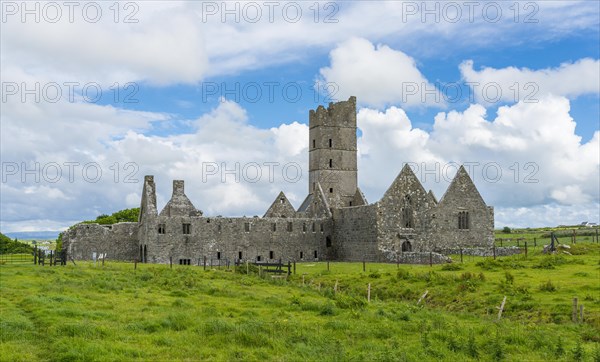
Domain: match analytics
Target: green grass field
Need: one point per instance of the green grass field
(87, 312)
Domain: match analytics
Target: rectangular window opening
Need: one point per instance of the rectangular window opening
(187, 229)
(161, 229)
(271, 255)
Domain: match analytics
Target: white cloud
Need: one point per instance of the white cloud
(378, 75)
(172, 43)
(165, 45)
(534, 146)
(511, 84)
(567, 170)
(249, 162)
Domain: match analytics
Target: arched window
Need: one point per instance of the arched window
(463, 220)
(407, 213)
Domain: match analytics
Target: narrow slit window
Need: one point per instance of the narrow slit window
(187, 229)
(463, 220)
(330, 143)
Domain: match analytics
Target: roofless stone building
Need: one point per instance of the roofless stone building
(335, 221)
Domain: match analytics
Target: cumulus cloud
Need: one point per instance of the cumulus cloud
(511, 84)
(378, 75)
(156, 42)
(543, 164)
(526, 157)
(179, 42)
(230, 166)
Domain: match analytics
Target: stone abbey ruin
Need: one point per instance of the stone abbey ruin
(335, 221)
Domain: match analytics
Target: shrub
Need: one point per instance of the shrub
(578, 352)
(375, 275)
(452, 267)
(349, 302)
(403, 274)
(548, 287)
(327, 309)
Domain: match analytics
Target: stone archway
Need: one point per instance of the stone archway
(406, 246)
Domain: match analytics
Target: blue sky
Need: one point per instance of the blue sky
(373, 51)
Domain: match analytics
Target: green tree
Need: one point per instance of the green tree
(9, 246)
(506, 230)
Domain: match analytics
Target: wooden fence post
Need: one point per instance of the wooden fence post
(294, 267)
(135, 264)
(574, 313)
(369, 293)
(461, 255)
(204, 261)
(494, 251)
(422, 297)
(364, 266)
(327, 265)
(526, 249)
(430, 258)
(501, 308)
(171, 262)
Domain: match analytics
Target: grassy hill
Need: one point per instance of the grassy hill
(9, 246)
(116, 312)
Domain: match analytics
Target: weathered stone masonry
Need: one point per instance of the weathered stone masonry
(335, 221)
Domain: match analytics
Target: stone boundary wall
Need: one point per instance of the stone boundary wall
(502, 251)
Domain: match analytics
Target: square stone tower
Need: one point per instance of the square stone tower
(332, 152)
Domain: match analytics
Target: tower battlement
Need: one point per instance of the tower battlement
(340, 114)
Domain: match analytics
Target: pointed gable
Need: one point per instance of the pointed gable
(318, 207)
(179, 205)
(432, 198)
(461, 189)
(405, 183)
(359, 198)
(281, 207)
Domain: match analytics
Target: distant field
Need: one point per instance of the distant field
(88, 312)
(541, 236)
